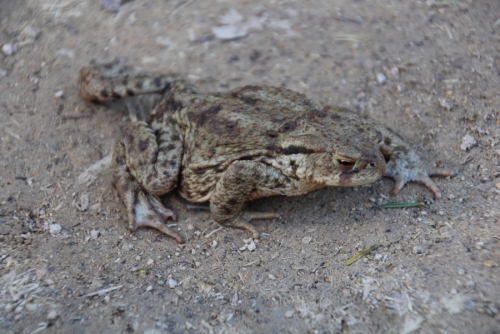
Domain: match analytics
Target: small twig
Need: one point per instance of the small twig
(449, 32)
(317, 267)
(13, 134)
(103, 291)
(173, 12)
(241, 278)
(66, 117)
(250, 263)
(214, 231)
(345, 19)
(24, 273)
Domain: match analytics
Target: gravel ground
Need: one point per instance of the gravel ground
(428, 69)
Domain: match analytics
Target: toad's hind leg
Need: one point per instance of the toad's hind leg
(145, 167)
(238, 182)
(101, 83)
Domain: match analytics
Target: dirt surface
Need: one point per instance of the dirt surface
(437, 270)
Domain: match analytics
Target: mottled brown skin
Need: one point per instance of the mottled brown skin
(229, 148)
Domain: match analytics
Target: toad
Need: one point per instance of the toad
(232, 147)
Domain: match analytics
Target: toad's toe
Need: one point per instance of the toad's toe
(147, 211)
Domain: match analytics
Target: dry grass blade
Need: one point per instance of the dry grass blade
(361, 254)
(401, 205)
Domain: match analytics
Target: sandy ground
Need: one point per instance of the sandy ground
(437, 270)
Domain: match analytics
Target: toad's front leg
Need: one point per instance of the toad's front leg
(146, 165)
(244, 180)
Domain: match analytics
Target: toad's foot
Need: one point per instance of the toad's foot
(143, 209)
(148, 211)
(410, 168)
(243, 221)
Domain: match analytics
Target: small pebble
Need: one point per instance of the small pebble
(417, 250)
(94, 234)
(52, 315)
(378, 257)
(306, 240)
(55, 228)
(106, 300)
(289, 314)
(149, 288)
(381, 78)
(272, 277)
(8, 49)
(314, 56)
(469, 303)
(461, 272)
(31, 307)
(395, 71)
(138, 258)
(150, 262)
(18, 309)
(160, 282)
(214, 244)
(249, 244)
(29, 34)
(111, 5)
(171, 282)
(59, 94)
(467, 142)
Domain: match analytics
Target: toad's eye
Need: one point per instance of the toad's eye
(346, 164)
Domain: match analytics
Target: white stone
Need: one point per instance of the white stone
(55, 228)
(52, 315)
(8, 49)
(94, 234)
(171, 282)
(381, 78)
(467, 142)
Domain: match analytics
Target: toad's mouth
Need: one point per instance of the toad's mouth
(356, 171)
